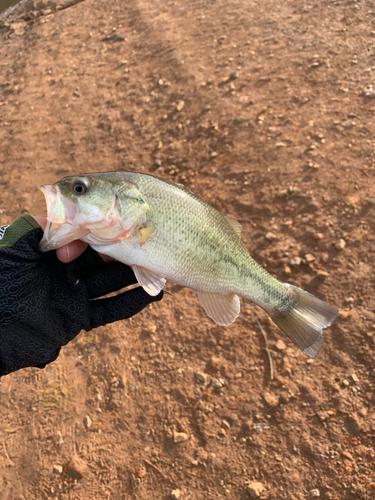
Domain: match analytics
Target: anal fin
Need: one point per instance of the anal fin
(222, 308)
(151, 283)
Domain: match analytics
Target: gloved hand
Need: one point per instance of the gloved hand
(44, 303)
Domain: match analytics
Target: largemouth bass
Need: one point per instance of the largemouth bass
(165, 232)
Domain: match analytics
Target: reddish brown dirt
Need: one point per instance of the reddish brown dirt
(286, 146)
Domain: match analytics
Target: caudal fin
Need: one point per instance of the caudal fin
(305, 320)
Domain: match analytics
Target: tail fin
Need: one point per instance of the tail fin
(305, 320)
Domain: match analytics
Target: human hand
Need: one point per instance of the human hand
(45, 303)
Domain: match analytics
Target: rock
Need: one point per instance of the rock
(318, 236)
(354, 378)
(176, 494)
(340, 245)
(270, 236)
(180, 437)
(57, 469)
(322, 275)
(180, 105)
(296, 261)
(75, 468)
(202, 377)
(309, 257)
(280, 345)
(281, 144)
(347, 455)
(314, 493)
(255, 489)
(221, 432)
(270, 399)
(353, 425)
(87, 421)
(157, 162)
(287, 270)
(217, 383)
(225, 424)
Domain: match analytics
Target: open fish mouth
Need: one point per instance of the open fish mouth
(60, 229)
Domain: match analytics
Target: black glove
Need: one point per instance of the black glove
(44, 303)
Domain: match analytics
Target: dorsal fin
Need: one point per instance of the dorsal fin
(235, 224)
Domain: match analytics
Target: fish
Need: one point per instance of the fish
(164, 232)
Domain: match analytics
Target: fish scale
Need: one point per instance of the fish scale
(165, 232)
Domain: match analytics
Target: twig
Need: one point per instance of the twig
(267, 350)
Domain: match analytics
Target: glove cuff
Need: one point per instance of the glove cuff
(9, 235)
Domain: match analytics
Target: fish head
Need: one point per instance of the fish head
(94, 207)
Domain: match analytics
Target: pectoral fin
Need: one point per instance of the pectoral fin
(145, 233)
(222, 308)
(151, 283)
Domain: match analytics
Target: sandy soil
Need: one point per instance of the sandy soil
(266, 110)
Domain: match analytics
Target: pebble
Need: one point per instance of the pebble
(322, 275)
(255, 489)
(340, 245)
(270, 399)
(280, 345)
(180, 105)
(281, 144)
(217, 383)
(75, 468)
(57, 469)
(87, 421)
(296, 261)
(221, 432)
(202, 377)
(353, 426)
(180, 437)
(309, 257)
(270, 236)
(318, 236)
(314, 493)
(354, 377)
(287, 270)
(226, 424)
(176, 494)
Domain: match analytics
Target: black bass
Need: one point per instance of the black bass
(165, 232)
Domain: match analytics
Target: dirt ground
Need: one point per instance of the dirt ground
(266, 110)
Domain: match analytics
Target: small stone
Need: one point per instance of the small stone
(157, 162)
(280, 345)
(57, 469)
(322, 275)
(345, 382)
(352, 424)
(270, 236)
(160, 145)
(347, 455)
(255, 489)
(160, 82)
(87, 421)
(180, 105)
(281, 144)
(340, 245)
(180, 437)
(296, 261)
(287, 270)
(309, 257)
(354, 377)
(176, 494)
(314, 493)
(270, 399)
(221, 432)
(217, 383)
(318, 236)
(75, 468)
(202, 377)
(226, 424)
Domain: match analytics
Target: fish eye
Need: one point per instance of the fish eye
(79, 187)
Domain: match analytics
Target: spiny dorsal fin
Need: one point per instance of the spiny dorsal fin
(235, 224)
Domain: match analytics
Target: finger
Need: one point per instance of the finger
(107, 278)
(69, 252)
(42, 221)
(122, 306)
